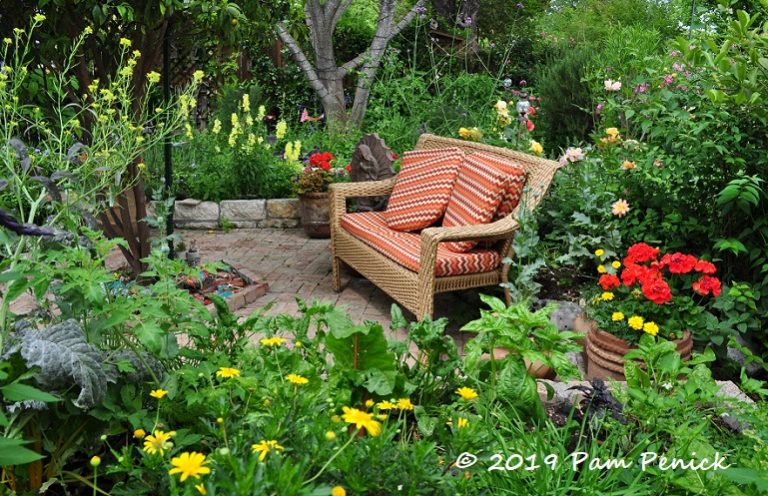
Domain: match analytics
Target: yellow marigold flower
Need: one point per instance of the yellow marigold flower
(599, 252)
(227, 373)
(139, 433)
(189, 465)
(330, 435)
(362, 419)
(462, 422)
(158, 393)
(201, 489)
(601, 269)
(635, 322)
(651, 328)
(606, 296)
(535, 147)
(158, 442)
(617, 316)
(263, 447)
(39, 17)
(467, 393)
(153, 77)
(386, 405)
(198, 75)
(297, 379)
(628, 165)
(369, 403)
(95, 461)
(125, 42)
(273, 341)
(615, 264)
(338, 491)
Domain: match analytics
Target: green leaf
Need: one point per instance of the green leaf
(13, 453)
(425, 423)
(23, 392)
(16, 288)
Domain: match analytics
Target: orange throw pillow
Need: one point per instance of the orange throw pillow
(483, 181)
(422, 188)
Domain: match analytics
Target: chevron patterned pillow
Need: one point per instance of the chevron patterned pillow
(482, 183)
(422, 188)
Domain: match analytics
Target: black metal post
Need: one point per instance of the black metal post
(167, 145)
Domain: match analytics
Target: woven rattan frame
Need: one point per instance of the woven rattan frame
(416, 291)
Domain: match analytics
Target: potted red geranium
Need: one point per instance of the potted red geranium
(312, 187)
(645, 293)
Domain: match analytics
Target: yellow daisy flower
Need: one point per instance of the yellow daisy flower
(263, 447)
(189, 465)
(361, 420)
(297, 379)
(227, 373)
(467, 393)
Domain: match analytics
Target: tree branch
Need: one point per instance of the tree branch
(301, 59)
(341, 7)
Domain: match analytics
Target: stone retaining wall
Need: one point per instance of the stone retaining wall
(197, 214)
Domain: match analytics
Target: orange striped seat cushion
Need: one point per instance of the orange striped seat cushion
(422, 188)
(405, 248)
(476, 196)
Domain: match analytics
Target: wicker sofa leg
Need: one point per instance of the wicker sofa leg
(336, 273)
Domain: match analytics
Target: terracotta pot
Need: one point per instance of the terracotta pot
(315, 213)
(605, 352)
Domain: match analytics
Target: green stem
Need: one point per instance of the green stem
(353, 436)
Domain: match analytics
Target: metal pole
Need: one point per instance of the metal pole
(167, 145)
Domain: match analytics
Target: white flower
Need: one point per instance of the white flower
(611, 85)
(572, 155)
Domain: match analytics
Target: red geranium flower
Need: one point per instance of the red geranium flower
(348, 168)
(657, 290)
(529, 125)
(640, 252)
(707, 285)
(679, 263)
(325, 166)
(608, 281)
(705, 267)
(632, 273)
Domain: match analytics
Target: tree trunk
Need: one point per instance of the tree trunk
(326, 77)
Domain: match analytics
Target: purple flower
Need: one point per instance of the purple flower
(674, 53)
(598, 108)
(668, 80)
(522, 82)
(677, 67)
(520, 5)
(642, 88)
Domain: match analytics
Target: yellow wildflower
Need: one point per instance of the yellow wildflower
(158, 442)
(201, 489)
(601, 269)
(362, 419)
(139, 433)
(612, 132)
(369, 403)
(198, 75)
(599, 252)
(227, 373)
(246, 103)
(95, 461)
(297, 379)
(88, 30)
(189, 465)
(153, 77)
(467, 393)
(273, 341)
(615, 264)
(404, 404)
(617, 316)
(281, 129)
(461, 422)
(263, 447)
(635, 322)
(386, 405)
(7, 41)
(39, 17)
(627, 165)
(261, 113)
(158, 393)
(338, 491)
(125, 42)
(330, 435)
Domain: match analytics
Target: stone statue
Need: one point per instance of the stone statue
(371, 161)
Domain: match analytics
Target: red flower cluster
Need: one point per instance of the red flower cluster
(641, 265)
(321, 160)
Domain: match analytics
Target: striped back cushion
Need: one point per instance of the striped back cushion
(479, 189)
(422, 188)
(510, 197)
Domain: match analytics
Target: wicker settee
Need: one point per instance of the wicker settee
(415, 289)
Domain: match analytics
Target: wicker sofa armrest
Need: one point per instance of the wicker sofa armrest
(339, 192)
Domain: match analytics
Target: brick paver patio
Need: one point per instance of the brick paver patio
(294, 265)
